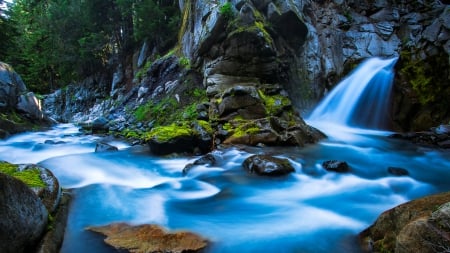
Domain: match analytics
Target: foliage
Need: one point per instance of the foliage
(274, 104)
(144, 69)
(160, 111)
(61, 41)
(430, 84)
(185, 62)
(226, 10)
(30, 177)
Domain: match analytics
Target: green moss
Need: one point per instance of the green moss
(206, 126)
(31, 177)
(239, 128)
(144, 69)
(274, 104)
(158, 111)
(226, 10)
(131, 134)
(257, 27)
(166, 133)
(185, 62)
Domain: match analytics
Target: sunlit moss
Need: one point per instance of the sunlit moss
(166, 133)
(31, 177)
(275, 103)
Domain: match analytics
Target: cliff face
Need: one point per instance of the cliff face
(302, 47)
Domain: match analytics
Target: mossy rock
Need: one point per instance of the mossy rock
(193, 137)
(40, 180)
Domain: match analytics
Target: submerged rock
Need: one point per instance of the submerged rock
(398, 171)
(265, 165)
(336, 166)
(420, 225)
(207, 159)
(149, 238)
(104, 147)
(23, 216)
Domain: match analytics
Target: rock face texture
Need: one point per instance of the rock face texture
(258, 60)
(265, 165)
(16, 100)
(24, 216)
(149, 238)
(421, 225)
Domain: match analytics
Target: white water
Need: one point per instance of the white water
(309, 211)
(361, 100)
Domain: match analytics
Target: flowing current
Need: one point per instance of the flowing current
(311, 210)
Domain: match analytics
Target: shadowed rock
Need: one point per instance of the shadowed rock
(23, 216)
(336, 166)
(421, 225)
(268, 166)
(149, 238)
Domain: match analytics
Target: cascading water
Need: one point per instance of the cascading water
(361, 100)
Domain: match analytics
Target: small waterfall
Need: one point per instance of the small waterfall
(361, 100)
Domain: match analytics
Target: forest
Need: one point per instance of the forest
(55, 42)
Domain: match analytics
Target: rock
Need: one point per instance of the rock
(53, 239)
(30, 105)
(195, 137)
(398, 171)
(420, 225)
(336, 166)
(11, 86)
(100, 125)
(207, 159)
(149, 238)
(104, 147)
(265, 165)
(24, 217)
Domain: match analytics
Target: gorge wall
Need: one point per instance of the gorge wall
(299, 49)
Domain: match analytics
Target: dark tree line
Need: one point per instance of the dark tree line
(53, 42)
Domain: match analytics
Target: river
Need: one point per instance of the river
(311, 210)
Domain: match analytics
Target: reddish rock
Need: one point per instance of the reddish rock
(149, 238)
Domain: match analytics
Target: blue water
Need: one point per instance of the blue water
(310, 210)
(362, 99)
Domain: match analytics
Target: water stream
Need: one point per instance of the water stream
(311, 210)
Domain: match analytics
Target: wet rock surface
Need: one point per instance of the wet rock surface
(420, 225)
(438, 137)
(149, 238)
(265, 165)
(336, 166)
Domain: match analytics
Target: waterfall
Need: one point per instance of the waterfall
(361, 100)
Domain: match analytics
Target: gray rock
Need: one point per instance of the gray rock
(24, 217)
(336, 166)
(265, 165)
(104, 147)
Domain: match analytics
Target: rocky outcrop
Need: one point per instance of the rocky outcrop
(20, 110)
(24, 216)
(266, 165)
(149, 238)
(436, 137)
(26, 226)
(421, 225)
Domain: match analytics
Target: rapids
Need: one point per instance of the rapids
(309, 211)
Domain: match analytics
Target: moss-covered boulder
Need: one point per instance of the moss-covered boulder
(420, 225)
(24, 216)
(186, 137)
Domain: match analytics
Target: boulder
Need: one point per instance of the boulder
(207, 159)
(336, 166)
(149, 238)
(195, 137)
(11, 86)
(265, 165)
(24, 216)
(421, 225)
(104, 147)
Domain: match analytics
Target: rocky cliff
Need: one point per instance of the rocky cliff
(287, 51)
(20, 110)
